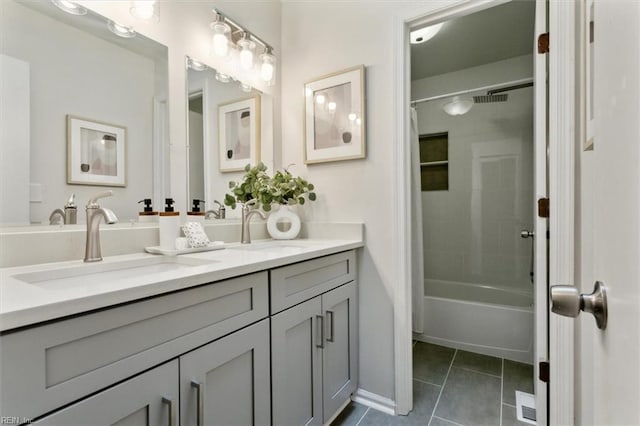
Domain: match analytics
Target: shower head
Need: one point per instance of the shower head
(489, 99)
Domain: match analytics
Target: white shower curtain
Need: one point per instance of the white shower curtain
(417, 266)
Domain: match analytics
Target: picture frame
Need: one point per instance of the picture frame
(96, 153)
(334, 117)
(239, 134)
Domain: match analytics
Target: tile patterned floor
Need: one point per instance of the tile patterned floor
(454, 388)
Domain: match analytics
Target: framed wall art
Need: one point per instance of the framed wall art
(95, 153)
(239, 134)
(334, 117)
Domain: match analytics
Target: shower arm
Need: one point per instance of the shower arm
(492, 87)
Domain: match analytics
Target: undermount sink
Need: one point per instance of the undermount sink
(278, 246)
(103, 272)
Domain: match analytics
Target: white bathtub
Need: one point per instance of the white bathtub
(483, 319)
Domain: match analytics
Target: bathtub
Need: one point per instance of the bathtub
(488, 320)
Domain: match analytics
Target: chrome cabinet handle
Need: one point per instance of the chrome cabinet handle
(320, 322)
(566, 300)
(200, 409)
(169, 403)
(330, 337)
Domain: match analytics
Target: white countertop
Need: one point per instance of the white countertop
(23, 303)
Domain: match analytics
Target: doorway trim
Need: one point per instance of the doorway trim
(561, 182)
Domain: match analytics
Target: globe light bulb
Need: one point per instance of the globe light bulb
(221, 35)
(143, 9)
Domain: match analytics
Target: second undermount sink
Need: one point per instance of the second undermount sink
(88, 274)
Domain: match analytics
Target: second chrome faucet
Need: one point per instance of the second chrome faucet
(94, 214)
(247, 214)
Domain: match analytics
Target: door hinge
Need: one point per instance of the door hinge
(543, 371)
(543, 43)
(543, 207)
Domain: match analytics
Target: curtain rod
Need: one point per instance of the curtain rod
(519, 83)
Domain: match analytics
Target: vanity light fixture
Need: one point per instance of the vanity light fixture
(121, 30)
(458, 106)
(70, 7)
(246, 51)
(233, 42)
(425, 34)
(268, 67)
(221, 36)
(145, 10)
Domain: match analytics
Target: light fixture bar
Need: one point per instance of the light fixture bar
(237, 28)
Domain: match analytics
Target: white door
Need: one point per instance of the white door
(608, 361)
(541, 312)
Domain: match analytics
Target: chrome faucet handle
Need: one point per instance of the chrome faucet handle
(93, 200)
(219, 203)
(251, 202)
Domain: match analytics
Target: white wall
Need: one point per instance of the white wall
(65, 65)
(323, 37)
(472, 231)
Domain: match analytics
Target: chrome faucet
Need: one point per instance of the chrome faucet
(53, 218)
(247, 213)
(68, 215)
(92, 251)
(221, 213)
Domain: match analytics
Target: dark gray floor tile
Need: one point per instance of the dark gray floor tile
(470, 398)
(509, 417)
(424, 399)
(351, 415)
(431, 362)
(441, 422)
(477, 362)
(517, 376)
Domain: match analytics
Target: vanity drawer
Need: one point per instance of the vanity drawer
(51, 365)
(302, 281)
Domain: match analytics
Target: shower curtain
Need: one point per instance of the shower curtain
(417, 266)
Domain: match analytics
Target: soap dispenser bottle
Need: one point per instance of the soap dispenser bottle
(147, 214)
(71, 211)
(196, 214)
(169, 226)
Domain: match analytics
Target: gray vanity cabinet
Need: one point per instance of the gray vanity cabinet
(148, 399)
(314, 344)
(227, 382)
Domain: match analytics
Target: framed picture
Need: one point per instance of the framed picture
(95, 153)
(239, 131)
(334, 117)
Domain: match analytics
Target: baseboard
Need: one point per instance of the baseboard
(375, 401)
(337, 413)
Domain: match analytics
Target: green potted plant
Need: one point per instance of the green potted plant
(253, 185)
(283, 189)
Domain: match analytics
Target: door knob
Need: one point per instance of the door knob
(566, 300)
(526, 234)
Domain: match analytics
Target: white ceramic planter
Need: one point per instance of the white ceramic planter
(284, 214)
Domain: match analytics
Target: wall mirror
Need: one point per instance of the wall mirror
(227, 122)
(62, 65)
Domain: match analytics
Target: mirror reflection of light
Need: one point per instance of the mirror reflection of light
(143, 9)
(70, 7)
(320, 99)
(121, 30)
(352, 116)
(308, 92)
(331, 106)
(425, 34)
(358, 121)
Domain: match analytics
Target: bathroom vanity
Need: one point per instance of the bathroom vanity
(259, 334)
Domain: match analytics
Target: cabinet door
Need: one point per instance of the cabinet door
(297, 365)
(340, 354)
(150, 399)
(227, 382)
